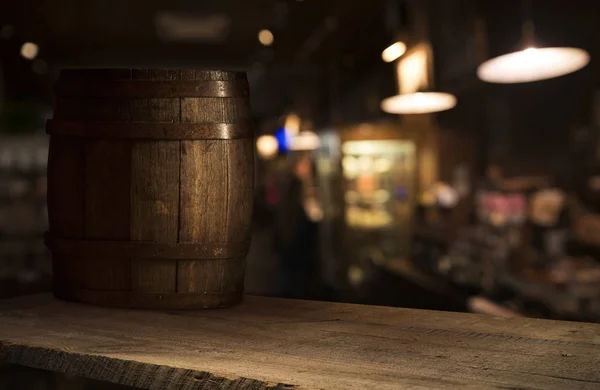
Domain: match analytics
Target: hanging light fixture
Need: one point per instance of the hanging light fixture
(393, 52)
(394, 18)
(531, 63)
(418, 103)
(414, 85)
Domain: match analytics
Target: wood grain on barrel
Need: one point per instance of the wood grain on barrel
(214, 110)
(204, 210)
(93, 109)
(107, 212)
(65, 205)
(240, 162)
(156, 167)
(155, 209)
(155, 180)
(150, 131)
(148, 249)
(241, 176)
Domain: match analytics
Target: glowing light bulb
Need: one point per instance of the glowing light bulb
(267, 146)
(266, 37)
(29, 50)
(393, 52)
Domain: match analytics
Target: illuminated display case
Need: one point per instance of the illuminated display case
(379, 176)
(378, 168)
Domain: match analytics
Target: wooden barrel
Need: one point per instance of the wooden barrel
(150, 187)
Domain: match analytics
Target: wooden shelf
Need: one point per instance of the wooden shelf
(276, 343)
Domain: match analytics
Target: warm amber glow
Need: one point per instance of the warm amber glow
(265, 37)
(292, 124)
(267, 146)
(29, 50)
(418, 103)
(533, 64)
(306, 140)
(382, 164)
(413, 70)
(393, 52)
(376, 148)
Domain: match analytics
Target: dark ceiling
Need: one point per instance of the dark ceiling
(322, 47)
(187, 33)
(76, 32)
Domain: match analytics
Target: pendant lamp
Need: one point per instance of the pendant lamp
(531, 63)
(418, 103)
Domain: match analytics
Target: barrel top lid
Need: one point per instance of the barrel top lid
(150, 74)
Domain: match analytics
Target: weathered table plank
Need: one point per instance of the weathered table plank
(277, 343)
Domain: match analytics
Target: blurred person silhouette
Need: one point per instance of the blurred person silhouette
(296, 236)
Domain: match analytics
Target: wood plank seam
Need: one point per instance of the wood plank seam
(180, 101)
(227, 188)
(179, 208)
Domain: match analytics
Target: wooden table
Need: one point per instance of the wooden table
(276, 343)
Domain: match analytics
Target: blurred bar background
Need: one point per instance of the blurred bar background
(491, 205)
